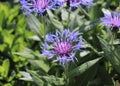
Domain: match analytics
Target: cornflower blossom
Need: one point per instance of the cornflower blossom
(60, 2)
(37, 6)
(76, 3)
(111, 19)
(87, 2)
(62, 46)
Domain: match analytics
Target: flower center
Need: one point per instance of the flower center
(63, 48)
(115, 21)
(42, 4)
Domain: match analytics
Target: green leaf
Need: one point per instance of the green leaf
(40, 64)
(55, 21)
(26, 76)
(46, 79)
(95, 12)
(1, 72)
(111, 53)
(12, 14)
(53, 80)
(8, 37)
(75, 20)
(36, 78)
(6, 65)
(2, 16)
(101, 75)
(64, 14)
(21, 23)
(36, 38)
(87, 76)
(29, 54)
(35, 25)
(82, 68)
(25, 54)
(4, 8)
(51, 15)
(88, 25)
(8, 84)
(3, 47)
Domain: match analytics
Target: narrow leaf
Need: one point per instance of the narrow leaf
(35, 25)
(82, 68)
(47, 79)
(111, 54)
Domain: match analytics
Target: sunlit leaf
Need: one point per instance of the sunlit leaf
(35, 25)
(6, 65)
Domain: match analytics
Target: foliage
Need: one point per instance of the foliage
(98, 63)
(13, 37)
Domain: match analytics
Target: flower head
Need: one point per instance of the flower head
(62, 45)
(60, 2)
(111, 19)
(87, 2)
(76, 3)
(37, 6)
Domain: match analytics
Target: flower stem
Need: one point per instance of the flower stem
(66, 75)
(84, 12)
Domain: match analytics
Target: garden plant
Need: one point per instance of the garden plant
(60, 43)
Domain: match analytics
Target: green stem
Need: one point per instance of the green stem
(113, 38)
(84, 12)
(66, 75)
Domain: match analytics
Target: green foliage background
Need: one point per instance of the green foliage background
(13, 37)
(21, 37)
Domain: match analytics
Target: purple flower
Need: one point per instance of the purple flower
(111, 19)
(36, 6)
(60, 2)
(87, 2)
(76, 3)
(62, 45)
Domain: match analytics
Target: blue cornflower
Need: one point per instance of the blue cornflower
(111, 19)
(87, 2)
(76, 3)
(60, 2)
(37, 6)
(62, 46)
